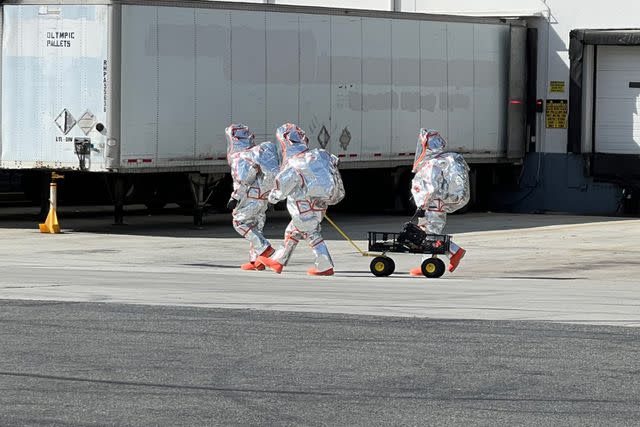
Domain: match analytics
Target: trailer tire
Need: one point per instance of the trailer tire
(433, 268)
(382, 266)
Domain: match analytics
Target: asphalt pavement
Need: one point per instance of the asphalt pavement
(131, 365)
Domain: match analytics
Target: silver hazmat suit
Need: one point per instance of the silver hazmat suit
(440, 184)
(310, 181)
(253, 169)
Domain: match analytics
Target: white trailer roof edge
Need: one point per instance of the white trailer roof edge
(262, 7)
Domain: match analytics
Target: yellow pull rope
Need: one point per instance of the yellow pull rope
(363, 253)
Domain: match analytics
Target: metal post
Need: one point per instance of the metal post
(53, 196)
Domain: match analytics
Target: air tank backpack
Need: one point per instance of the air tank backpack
(457, 190)
(323, 179)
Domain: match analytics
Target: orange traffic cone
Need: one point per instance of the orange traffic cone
(51, 224)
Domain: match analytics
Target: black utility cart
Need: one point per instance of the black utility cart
(412, 240)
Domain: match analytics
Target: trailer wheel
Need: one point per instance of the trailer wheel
(433, 267)
(382, 266)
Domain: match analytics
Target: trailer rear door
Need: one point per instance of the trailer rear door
(54, 61)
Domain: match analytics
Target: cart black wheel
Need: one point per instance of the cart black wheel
(433, 267)
(382, 266)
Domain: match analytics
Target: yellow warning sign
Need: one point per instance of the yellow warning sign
(556, 113)
(556, 86)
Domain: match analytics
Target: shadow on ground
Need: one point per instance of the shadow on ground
(175, 222)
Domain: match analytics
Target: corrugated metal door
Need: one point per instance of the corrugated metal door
(617, 109)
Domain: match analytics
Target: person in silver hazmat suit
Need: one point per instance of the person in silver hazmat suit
(310, 181)
(440, 186)
(253, 169)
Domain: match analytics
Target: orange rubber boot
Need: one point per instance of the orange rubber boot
(272, 264)
(455, 259)
(416, 272)
(247, 266)
(253, 265)
(313, 272)
(267, 253)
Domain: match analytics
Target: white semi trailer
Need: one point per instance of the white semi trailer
(141, 90)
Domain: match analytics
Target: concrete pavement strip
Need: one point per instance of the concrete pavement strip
(554, 268)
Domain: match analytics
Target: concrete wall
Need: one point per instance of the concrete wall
(556, 182)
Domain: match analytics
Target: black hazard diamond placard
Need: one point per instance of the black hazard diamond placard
(345, 138)
(323, 137)
(65, 121)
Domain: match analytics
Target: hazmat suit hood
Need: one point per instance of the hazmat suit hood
(430, 144)
(239, 138)
(293, 141)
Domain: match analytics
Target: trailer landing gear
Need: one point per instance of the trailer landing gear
(118, 200)
(198, 182)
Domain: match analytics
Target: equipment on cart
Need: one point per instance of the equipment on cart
(412, 240)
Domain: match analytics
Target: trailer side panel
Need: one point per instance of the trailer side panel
(361, 86)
